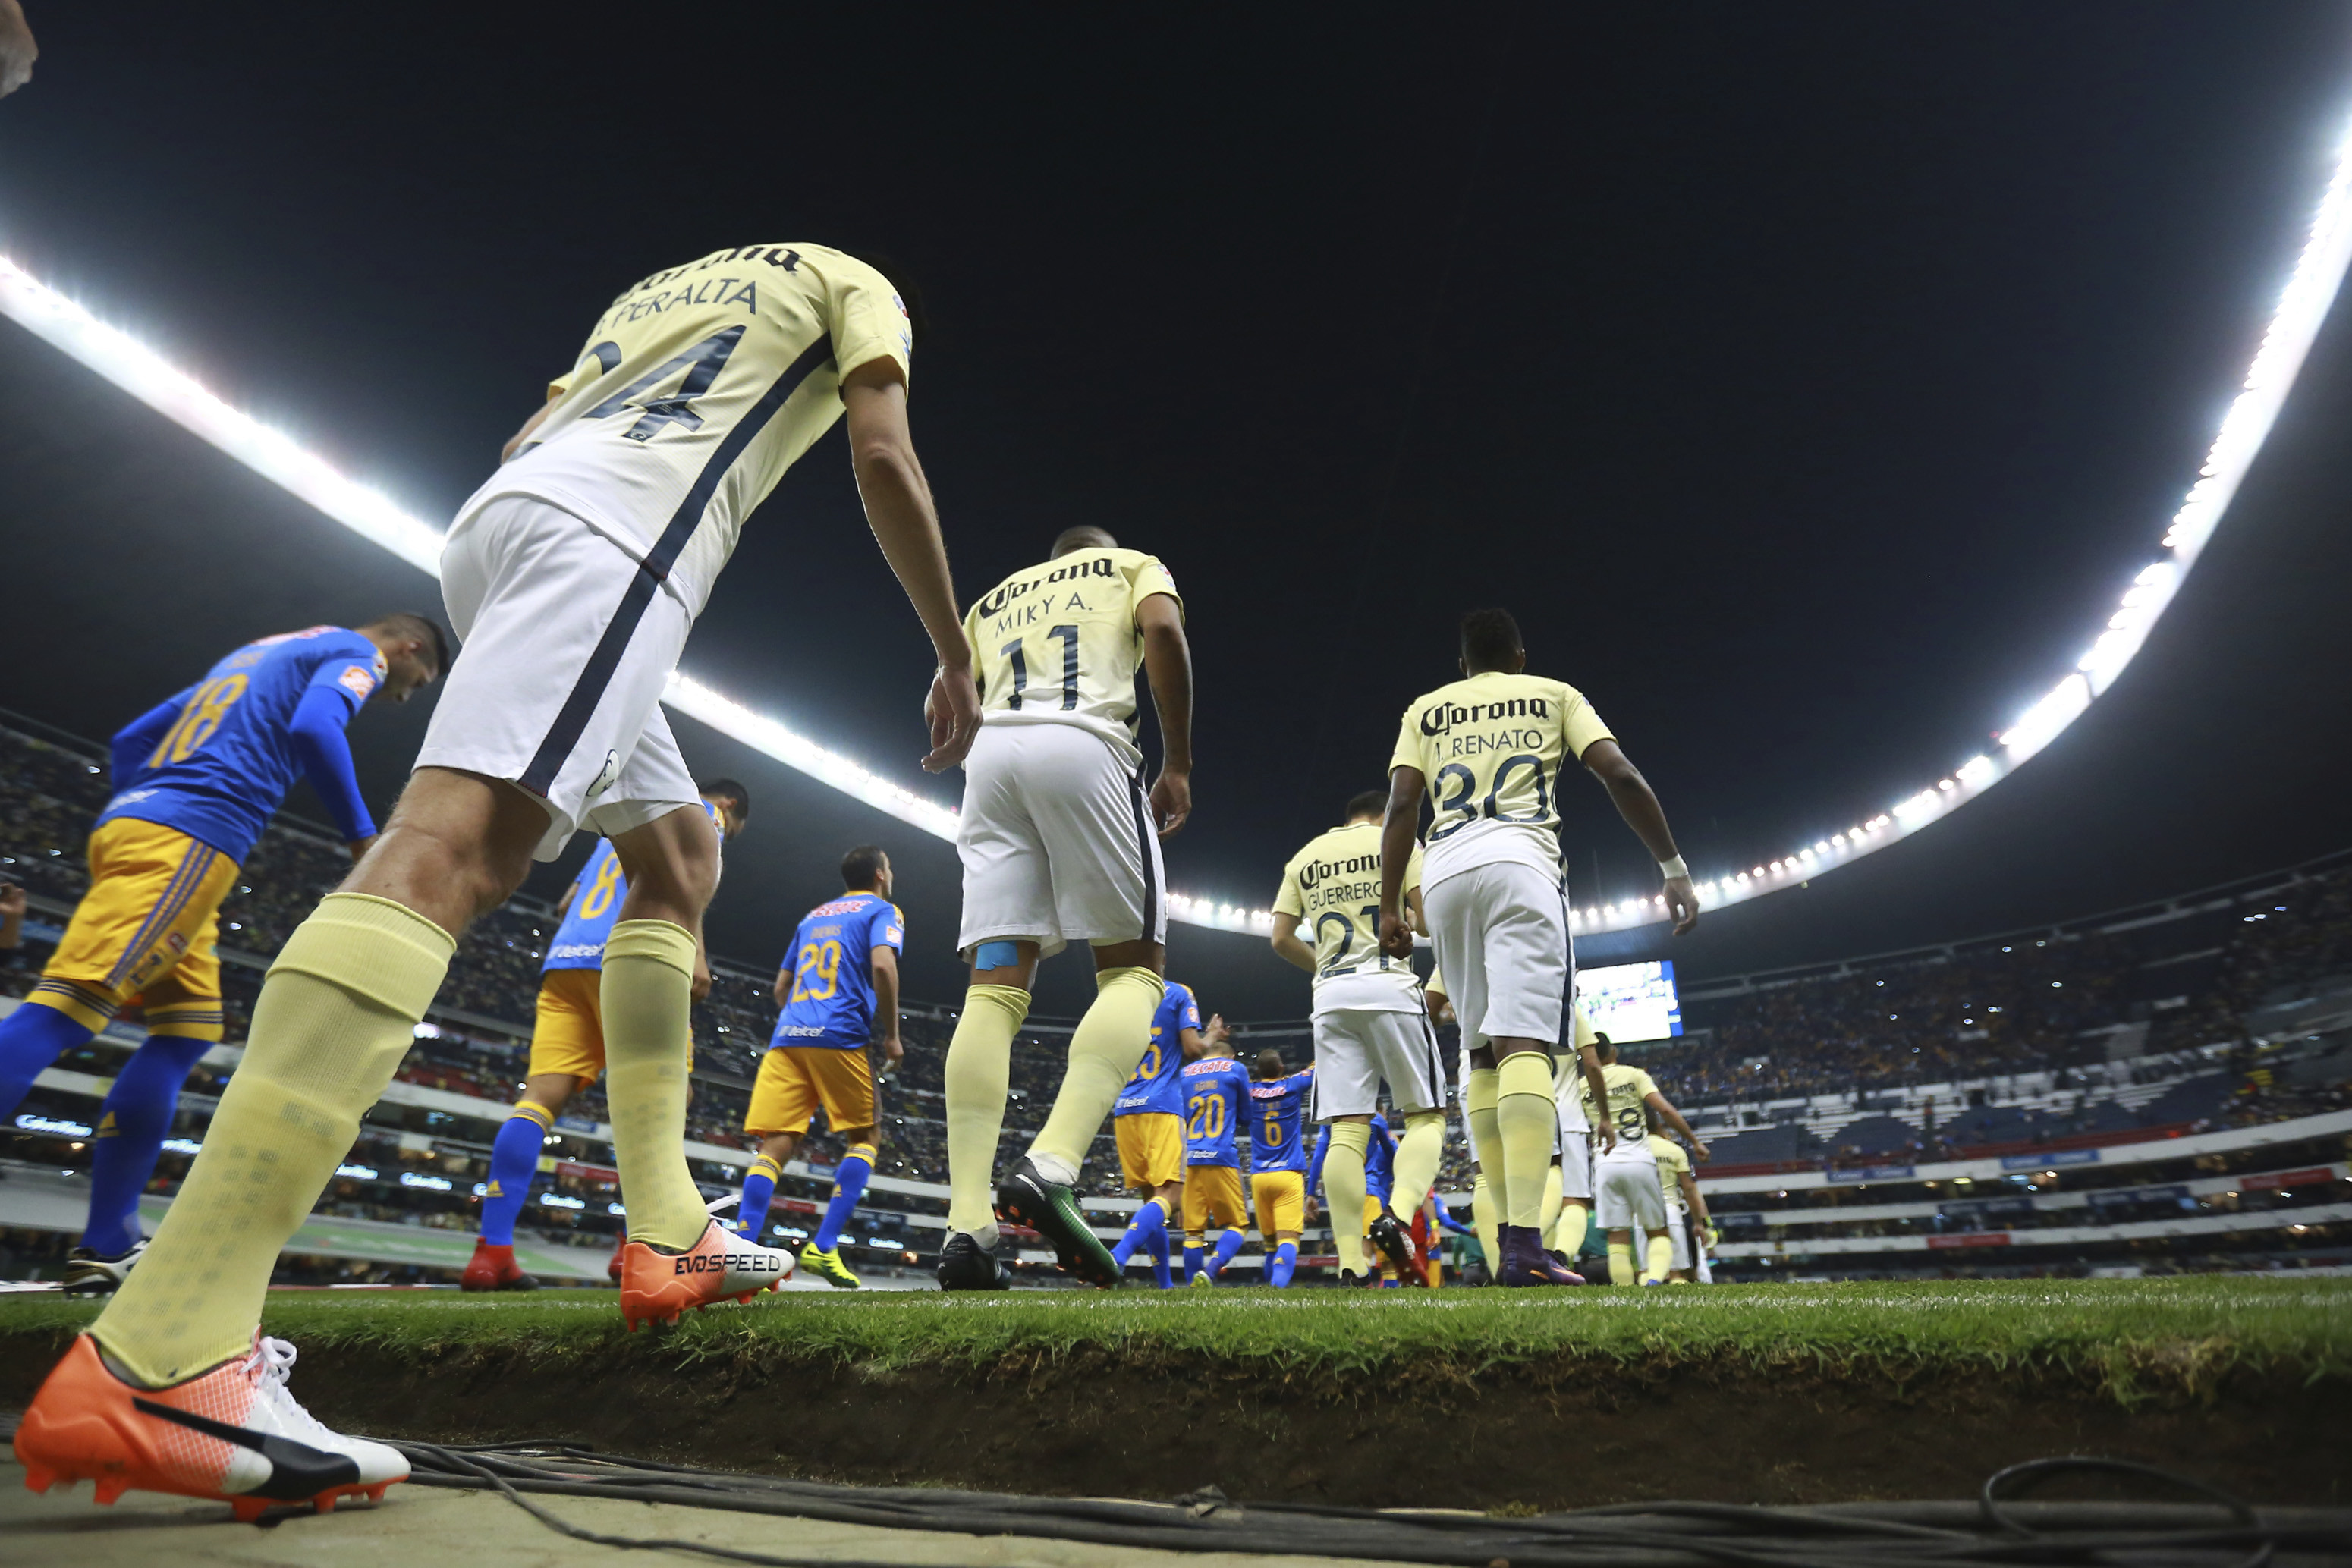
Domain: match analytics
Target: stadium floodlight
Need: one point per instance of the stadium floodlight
(2302, 307)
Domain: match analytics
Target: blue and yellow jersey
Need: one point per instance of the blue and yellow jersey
(1154, 1086)
(1277, 1114)
(831, 965)
(227, 760)
(1216, 1089)
(580, 941)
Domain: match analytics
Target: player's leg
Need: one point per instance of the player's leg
(760, 1178)
(1528, 979)
(847, 1083)
(1347, 1091)
(1404, 1046)
(1566, 1234)
(1487, 1218)
(1222, 1208)
(1549, 1215)
(1195, 1200)
(567, 1053)
(1622, 1270)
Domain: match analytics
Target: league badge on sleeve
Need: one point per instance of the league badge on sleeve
(360, 682)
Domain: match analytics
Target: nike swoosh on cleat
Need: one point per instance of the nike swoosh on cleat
(298, 1472)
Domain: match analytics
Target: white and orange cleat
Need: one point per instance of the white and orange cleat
(658, 1285)
(234, 1434)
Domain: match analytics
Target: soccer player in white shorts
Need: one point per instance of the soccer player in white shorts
(1566, 1234)
(1371, 1025)
(573, 575)
(1489, 750)
(1627, 1184)
(1060, 843)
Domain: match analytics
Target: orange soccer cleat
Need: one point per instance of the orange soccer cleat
(234, 1434)
(658, 1285)
(494, 1269)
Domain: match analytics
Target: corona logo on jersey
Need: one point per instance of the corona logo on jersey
(1312, 873)
(1100, 566)
(1440, 717)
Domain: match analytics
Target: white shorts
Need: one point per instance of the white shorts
(1575, 1164)
(568, 643)
(1056, 843)
(1501, 934)
(1678, 1228)
(1626, 1194)
(1355, 1050)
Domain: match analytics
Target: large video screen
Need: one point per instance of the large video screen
(1632, 1001)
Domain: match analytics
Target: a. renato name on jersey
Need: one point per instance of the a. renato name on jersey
(1490, 750)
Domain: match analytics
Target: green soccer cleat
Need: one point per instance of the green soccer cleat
(828, 1267)
(1201, 1281)
(1052, 1211)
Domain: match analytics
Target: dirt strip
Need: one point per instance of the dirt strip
(1559, 1434)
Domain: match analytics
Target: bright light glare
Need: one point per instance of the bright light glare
(2303, 306)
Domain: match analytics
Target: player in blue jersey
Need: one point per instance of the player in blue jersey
(197, 779)
(1277, 1112)
(567, 1042)
(838, 987)
(1216, 1092)
(1148, 1124)
(1379, 1181)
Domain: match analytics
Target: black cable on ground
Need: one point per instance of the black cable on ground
(1993, 1530)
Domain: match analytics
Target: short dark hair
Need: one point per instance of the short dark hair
(733, 793)
(1269, 1063)
(424, 628)
(861, 868)
(909, 292)
(1604, 1048)
(1367, 802)
(1086, 536)
(1490, 640)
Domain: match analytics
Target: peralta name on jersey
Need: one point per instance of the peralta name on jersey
(1100, 566)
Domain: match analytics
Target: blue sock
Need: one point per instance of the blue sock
(1227, 1245)
(758, 1189)
(30, 1039)
(1284, 1265)
(514, 1163)
(1193, 1259)
(131, 1129)
(848, 1187)
(1158, 1245)
(1145, 1233)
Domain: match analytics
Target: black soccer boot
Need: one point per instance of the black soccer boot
(1051, 1210)
(1390, 1236)
(966, 1265)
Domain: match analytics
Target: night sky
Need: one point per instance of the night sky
(1810, 380)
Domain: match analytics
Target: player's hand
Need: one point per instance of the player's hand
(1698, 1151)
(1313, 1208)
(12, 900)
(892, 1050)
(358, 847)
(1171, 800)
(1608, 1137)
(953, 710)
(1396, 936)
(17, 50)
(701, 977)
(1682, 904)
(1218, 1031)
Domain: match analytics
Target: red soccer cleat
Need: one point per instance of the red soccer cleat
(233, 1435)
(658, 1285)
(494, 1269)
(612, 1268)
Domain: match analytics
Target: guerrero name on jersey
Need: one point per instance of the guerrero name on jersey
(1277, 1114)
(221, 768)
(1058, 643)
(1215, 1088)
(697, 389)
(831, 963)
(1491, 749)
(1154, 1086)
(1333, 885)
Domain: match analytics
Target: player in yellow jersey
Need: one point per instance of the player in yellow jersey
(1490, 752)
(1370, 1026)
(1625, 1177)
(573, 577)
(1685, 1210)
(1060, 843)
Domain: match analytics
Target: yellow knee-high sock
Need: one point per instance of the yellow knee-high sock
(1549, 1215)
(1486, 1137)
(1527, 1119)
(979, 1076)
(1418, 1153)
(646, 997)
(1662, 1257)
(1489, 1222)
(1343, 1190)
(1621, 1262)
(1568, 1235)
(1105, 1048)
(336, 1014)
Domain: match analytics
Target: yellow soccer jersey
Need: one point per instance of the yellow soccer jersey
(696, 389)
(1057, 642)
(1491, 750)
(1672, 1163)
(1333, 885)
(1630, 1089)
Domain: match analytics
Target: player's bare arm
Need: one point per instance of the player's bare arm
(1674, 1118)
(1397, 829)
(701, 985)
(885, 1004)
(906, 525)
(1691, 1199)
(783, 986)
(17, 50)
(1167, 664)
(1638, 804)
(1287, 946)
(563, 904)
(1597, 1087)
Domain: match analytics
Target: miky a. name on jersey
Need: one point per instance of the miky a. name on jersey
(1057, 642)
